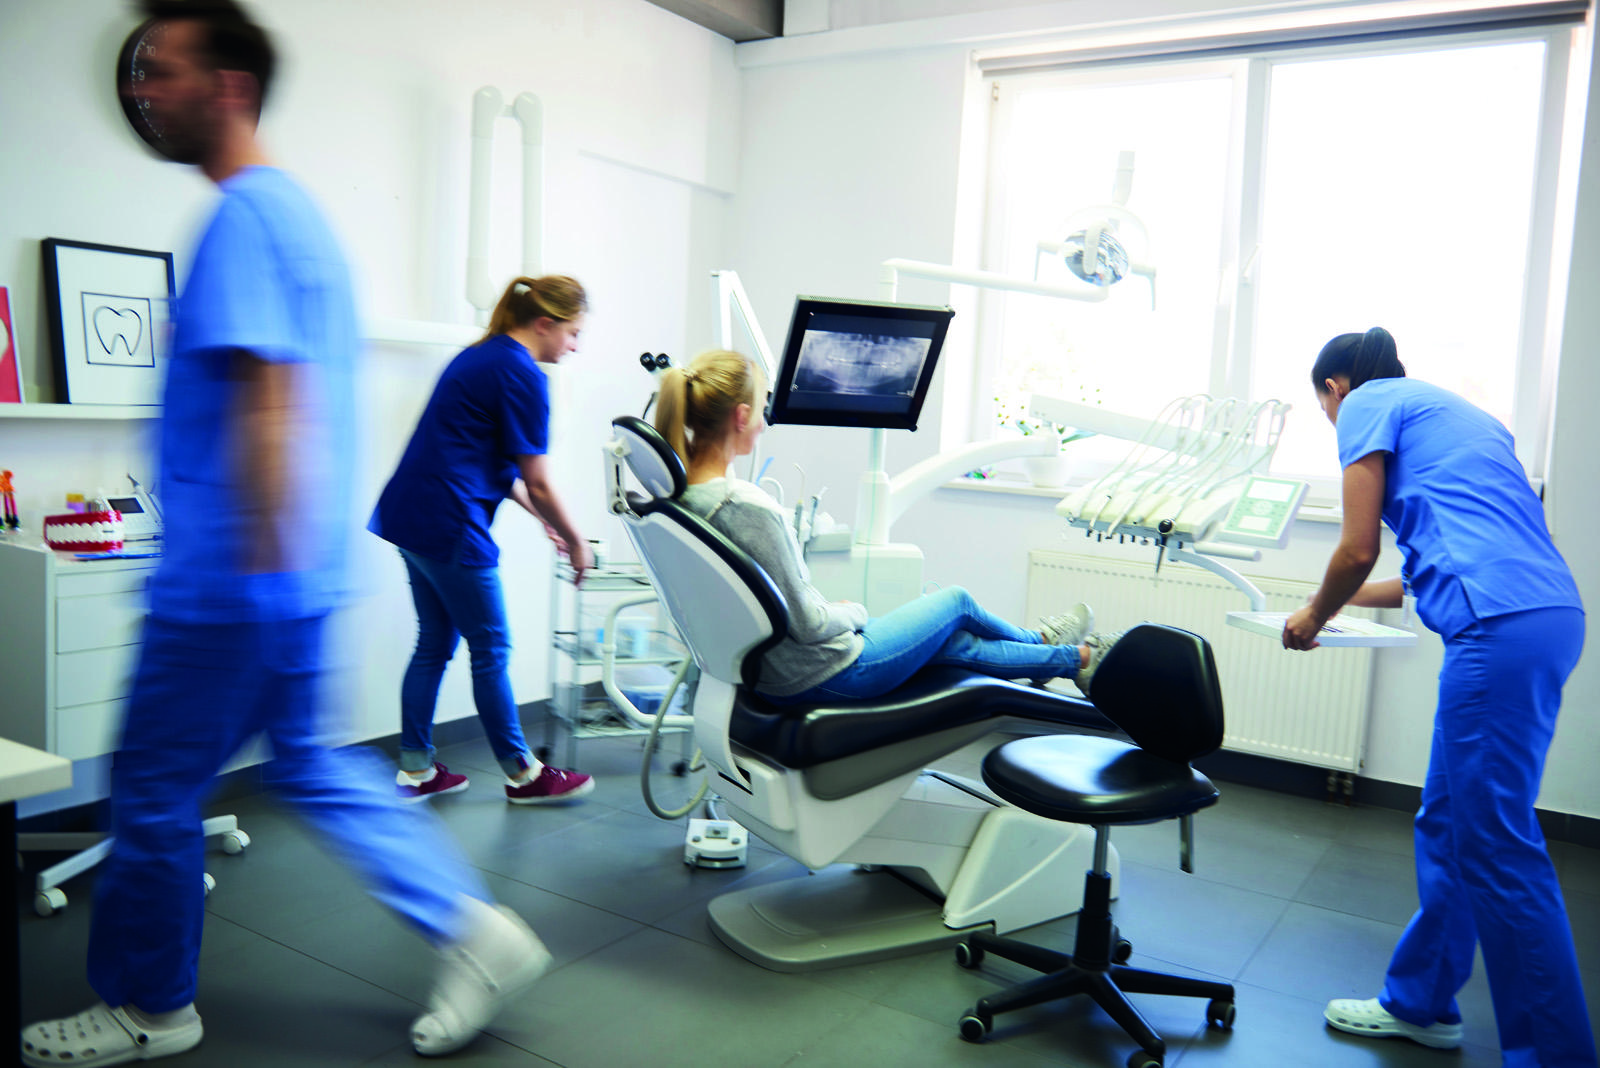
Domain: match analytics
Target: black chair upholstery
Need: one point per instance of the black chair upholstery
(1159, 685)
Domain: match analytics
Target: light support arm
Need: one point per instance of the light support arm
(728, 296)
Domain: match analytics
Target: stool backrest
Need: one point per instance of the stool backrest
(723, 604)
(1159, 684)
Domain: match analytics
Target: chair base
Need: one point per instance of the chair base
(1093, 968)
(838, 916)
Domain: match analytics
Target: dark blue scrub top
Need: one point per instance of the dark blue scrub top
(491, 405)
(1470, 528)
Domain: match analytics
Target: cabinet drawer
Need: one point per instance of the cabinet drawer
(99, 622)
(88, 730)
(94, 676)
(84, 583)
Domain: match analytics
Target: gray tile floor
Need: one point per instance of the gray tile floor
(1292, 900)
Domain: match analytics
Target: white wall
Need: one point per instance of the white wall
(371, 113)
(850, 150)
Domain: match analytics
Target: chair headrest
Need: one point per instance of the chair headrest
(1160, 685)
(653, 462)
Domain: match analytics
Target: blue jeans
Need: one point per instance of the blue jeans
(1483, 875)
(946, 627)
(201, 691)
(455, 602)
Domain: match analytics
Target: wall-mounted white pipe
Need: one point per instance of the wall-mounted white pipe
(530, 114)
(487, 106)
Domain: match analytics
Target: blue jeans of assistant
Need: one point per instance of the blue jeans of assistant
(1483, 875)
(946, 627)
(455, 602)
(201, 691)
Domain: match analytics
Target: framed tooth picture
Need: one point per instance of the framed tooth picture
(110, 311)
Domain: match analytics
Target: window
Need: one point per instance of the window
(1289, 196)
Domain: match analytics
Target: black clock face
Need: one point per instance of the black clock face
(133, 72)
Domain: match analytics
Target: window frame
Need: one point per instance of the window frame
(1235, 326)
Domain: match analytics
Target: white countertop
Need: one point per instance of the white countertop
(26, 772)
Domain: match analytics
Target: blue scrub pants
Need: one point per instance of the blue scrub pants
(201, 691)
(455, 602)
(946, 627)
(1483, 875)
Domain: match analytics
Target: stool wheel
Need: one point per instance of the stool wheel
(1121, 951)
(1219, 1014)
(1142, 1059)
(968, 956)
(975, 1026)
(49, 902)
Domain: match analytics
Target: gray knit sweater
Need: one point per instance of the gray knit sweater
(824, 636)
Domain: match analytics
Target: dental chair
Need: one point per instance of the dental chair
(936, 856)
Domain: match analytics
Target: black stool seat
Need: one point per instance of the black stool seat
(1094, 781)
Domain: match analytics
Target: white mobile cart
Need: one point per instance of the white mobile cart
(604, 630)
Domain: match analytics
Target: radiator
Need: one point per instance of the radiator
(1306, 707)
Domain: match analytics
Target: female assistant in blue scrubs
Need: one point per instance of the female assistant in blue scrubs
(481, 439)
(1442, 474)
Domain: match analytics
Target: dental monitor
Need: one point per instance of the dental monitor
(857, 363)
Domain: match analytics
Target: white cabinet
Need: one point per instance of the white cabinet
(69, 642)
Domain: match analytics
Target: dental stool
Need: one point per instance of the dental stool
(936, 856)
(1158, 684)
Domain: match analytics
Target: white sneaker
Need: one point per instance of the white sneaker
(1099, 645)
(496, 958)
(1069, 627)
(1373, 1020)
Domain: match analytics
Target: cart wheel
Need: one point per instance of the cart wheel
(1142, 1059)
(209, 883)
(968, 955)
(234, 842)
(1219, 1014)
(49, 902)
(975, 1026)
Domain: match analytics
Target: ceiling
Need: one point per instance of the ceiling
(741, 20)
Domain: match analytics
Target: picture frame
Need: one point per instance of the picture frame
(110, 311)
(10, 354)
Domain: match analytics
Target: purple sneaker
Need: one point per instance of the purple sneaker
(550, 786)
(411, 789)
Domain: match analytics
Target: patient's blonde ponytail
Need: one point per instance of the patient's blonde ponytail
(696, 402)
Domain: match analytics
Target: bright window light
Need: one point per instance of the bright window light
(1289, 197)
(1398, 193)
(1061, 156)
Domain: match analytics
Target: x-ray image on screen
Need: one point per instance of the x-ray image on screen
(857, 363)
(874, 364)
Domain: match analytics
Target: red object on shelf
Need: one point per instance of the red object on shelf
(84, 532)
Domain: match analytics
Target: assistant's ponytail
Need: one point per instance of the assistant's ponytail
(1359, 358)
(554, 296)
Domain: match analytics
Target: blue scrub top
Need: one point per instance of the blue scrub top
(267, 277)
(1470, 528)
(491, 405)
